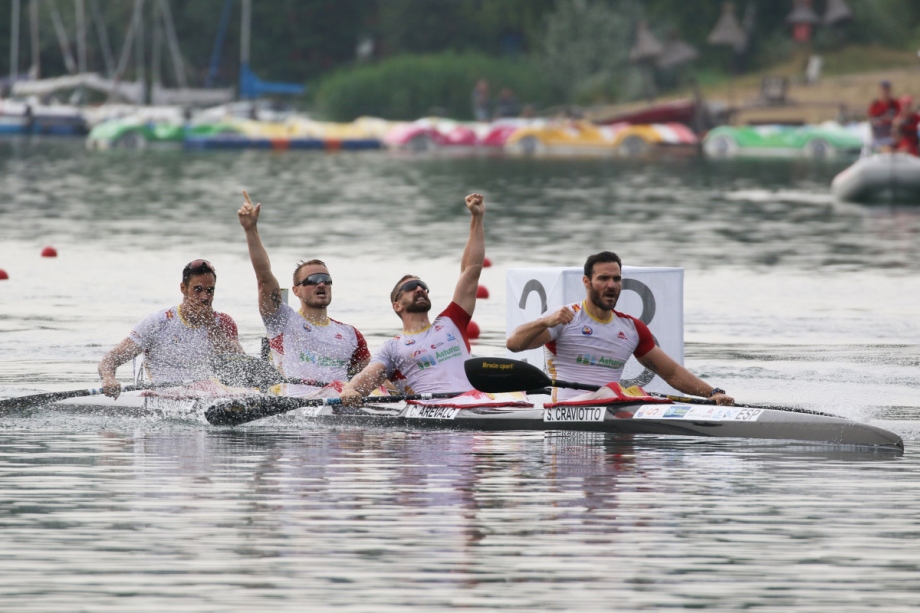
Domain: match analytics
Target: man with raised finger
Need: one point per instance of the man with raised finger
(590, 342)
(179, 343)
(306, 344)
(428, 356)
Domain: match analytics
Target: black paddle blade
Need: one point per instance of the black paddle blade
(236, 411)
(241, 370)
(498, 375)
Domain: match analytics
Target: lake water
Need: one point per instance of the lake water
(789, 297)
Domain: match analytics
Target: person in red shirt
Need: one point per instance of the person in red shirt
(904, 128)
(882, 112)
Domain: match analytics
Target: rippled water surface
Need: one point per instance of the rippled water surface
(789, 297)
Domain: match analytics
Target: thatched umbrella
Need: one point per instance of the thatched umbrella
(644, 52)
(836, 12)
(676, 53)
(727, 31)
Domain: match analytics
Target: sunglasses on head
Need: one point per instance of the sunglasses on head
(410, 286)
(315, 279)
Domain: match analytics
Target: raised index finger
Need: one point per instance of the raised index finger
(246, 196)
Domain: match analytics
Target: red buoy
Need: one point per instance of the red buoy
(486, 262)
(3, 275)
(482, 292)
(472, 330)
(49, 252)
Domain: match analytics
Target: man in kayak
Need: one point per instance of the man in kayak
(428, 356)
(307, 344)
(881, 113)
(590, 342)
(178, 343)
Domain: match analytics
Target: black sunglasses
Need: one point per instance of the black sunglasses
(409, 286)
(315, 279)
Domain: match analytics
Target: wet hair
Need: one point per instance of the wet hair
(601, 258)
(301, 264)
(197, 267)
(399, 284)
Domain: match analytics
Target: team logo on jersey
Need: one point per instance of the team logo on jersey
(450, 337)
(169, 315)
(621, 335)
(437, 327)
(587, 331)
(410, 341)
(342, 338)
(307, 328)
(436, 345)
(418, 352)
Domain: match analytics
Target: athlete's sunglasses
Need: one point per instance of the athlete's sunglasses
(315, 279)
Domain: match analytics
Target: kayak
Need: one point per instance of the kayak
(639, 418)
(883, 177)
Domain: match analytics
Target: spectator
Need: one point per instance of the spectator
(507, 104)
(904, 128)
(481, 101)
(882, 112)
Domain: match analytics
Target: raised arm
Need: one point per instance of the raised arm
(269, 289)
(679, 377)
(473, 256)
(122, 352)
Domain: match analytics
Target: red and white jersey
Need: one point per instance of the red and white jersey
(587, 350)
(175, 351)
(306, 350)
(430, 361)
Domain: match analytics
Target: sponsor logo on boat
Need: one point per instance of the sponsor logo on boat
(598, 360)
(422, 412)
(587, 331)
(312, 411)
(574, 414)
(496, 366)
(696, 413)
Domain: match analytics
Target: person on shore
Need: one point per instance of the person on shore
(482, 103)
(507, 104)
(590, 342)
(428, 356)
(305, 344)
(178, 342)
(882, 112)
(904, 128)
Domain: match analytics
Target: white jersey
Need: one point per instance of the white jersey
(430, 361)
(587, 350)
(306, 350)
(174, 350)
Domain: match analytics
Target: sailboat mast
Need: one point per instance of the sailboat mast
(14, 42)
(36, 70)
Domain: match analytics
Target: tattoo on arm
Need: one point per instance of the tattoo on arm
(276, 297)
(651, 365)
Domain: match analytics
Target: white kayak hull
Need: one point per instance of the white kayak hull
(633, 418)
(883, 177)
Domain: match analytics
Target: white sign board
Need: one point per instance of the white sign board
(653, 295)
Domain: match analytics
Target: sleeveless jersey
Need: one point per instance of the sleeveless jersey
(432, 360)
(586, 350)
(174, 351)
(305, 350)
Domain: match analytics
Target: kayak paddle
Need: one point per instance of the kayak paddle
(38, 399)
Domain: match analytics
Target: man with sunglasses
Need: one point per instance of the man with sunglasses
(428, 356)
(307, 344)
(178, 343)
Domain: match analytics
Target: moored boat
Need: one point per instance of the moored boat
(882, 177)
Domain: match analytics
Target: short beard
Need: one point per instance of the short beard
(418, 307)
(595, 298)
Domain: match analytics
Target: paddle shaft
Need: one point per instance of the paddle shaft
(240, 411)
(49, 397)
